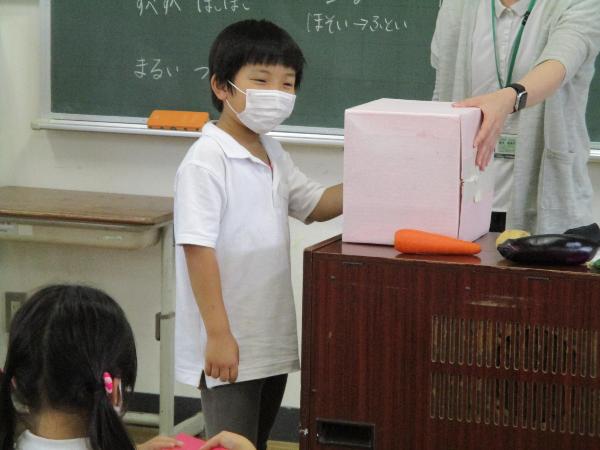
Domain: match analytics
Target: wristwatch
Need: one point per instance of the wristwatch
(521, 99)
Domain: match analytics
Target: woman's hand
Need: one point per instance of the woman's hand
(230, 441)
(222, 357)
(160, 443)
(495, 108)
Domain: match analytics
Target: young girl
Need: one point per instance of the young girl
(69, 372)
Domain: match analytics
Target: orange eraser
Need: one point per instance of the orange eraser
(177, 120)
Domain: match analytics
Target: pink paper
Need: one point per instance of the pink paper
(192, 443)
(411, 164)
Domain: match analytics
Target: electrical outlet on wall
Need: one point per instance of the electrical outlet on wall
(13, 301)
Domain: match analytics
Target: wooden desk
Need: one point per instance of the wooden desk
(447, 353)
(103, 220)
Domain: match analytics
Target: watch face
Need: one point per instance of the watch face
(521, 100)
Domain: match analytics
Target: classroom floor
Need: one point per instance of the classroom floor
(142, 434)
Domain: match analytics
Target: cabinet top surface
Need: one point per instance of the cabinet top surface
(81, 206)
(489, 256)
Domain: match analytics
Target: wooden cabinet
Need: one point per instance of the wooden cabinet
(447, 353)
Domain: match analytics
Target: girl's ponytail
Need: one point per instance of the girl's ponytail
(21, 372)
(106, 429)
(7, 414)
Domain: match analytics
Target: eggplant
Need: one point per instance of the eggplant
(556, 249)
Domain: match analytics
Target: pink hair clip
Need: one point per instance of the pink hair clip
(108, 382)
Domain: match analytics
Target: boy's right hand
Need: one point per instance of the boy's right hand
(229, 441)
(222, 357)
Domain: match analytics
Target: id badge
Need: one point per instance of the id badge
(507, 145)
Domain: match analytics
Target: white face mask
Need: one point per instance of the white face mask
(265, 109)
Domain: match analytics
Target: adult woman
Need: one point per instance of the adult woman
(480, 47)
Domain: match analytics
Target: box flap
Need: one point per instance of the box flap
(477, 193)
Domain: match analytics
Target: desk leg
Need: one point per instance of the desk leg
(167, 334)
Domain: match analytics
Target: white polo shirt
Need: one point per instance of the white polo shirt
(229, 200)
(30, 441)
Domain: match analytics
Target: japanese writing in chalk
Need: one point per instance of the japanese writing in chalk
(166, 7)
(354, 2)
(157, 69)
(331, 24)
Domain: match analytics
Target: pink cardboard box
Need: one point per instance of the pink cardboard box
(411, 164)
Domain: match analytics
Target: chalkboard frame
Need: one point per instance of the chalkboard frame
(137, 125)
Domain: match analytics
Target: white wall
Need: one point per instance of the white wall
(109, 163)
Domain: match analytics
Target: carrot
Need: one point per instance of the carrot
(422, 242)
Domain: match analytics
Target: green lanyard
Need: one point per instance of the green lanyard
(516, 44)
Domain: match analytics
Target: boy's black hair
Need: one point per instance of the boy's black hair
(61, 342)
(251, 42)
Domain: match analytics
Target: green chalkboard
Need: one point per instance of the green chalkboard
(127, 57)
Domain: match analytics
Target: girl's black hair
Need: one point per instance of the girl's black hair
(61, 342)
(251, 42)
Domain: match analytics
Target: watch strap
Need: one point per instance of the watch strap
(521, 99)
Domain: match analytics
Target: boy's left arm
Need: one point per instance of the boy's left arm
(330, 204)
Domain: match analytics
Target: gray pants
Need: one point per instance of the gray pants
(248, 408)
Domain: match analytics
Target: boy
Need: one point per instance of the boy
(236, 326)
